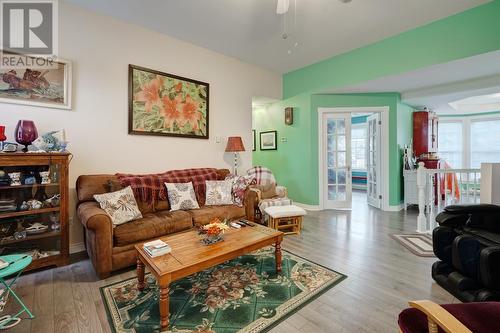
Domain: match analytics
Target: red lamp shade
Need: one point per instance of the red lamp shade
(234, 144)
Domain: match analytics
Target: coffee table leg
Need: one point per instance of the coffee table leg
(140, 275)
(164, 306)
(277, 253)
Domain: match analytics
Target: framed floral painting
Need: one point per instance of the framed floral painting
(166, 104)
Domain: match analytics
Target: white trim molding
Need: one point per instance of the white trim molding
(77, 247)
(384, 151)
(307, 207)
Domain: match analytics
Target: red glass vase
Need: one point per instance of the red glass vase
(25, 133)
(2, 134)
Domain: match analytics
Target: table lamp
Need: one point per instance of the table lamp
(235, 145)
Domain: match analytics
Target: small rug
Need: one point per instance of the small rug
(240, 295)
(418, 244)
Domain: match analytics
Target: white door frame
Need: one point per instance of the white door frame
(384, 151)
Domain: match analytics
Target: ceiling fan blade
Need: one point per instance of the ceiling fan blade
(282, 6)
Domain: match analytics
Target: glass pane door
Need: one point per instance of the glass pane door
(373, 166)
(337, 157)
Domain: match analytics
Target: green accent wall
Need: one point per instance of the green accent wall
(295, 163)
(291, 162)
(466, 34)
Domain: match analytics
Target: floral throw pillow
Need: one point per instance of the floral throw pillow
(240, 184)
(119, 205)
(181, 196)
(218, 192)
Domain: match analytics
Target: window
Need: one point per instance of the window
(466, 142)
(485, 142)
(358, 139)
(450, 143)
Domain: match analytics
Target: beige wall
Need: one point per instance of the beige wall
(101, 48)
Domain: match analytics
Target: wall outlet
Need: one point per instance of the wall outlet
(218, 139)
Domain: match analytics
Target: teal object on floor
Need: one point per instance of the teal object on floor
(17, 264)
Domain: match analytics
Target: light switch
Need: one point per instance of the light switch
(283, 139)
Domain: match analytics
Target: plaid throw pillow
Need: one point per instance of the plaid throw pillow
(240, 185)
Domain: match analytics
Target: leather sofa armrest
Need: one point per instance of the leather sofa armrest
(281, 191)
(489, 266)
(93, 217)
(252, 198)
(98, 236)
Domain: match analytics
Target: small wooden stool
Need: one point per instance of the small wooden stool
(286, 218)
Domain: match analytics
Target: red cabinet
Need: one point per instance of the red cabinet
(425, 133)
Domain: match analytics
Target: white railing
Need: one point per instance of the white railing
(438, 188)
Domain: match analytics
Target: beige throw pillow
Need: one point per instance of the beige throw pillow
(219, 192)
(119, 205)
(181, 196)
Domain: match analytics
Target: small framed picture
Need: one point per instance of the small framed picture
(254, 143)
(268, 140)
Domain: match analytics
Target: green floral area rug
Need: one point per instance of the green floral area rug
(241, 295)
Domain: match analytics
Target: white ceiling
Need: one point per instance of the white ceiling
(251, 30)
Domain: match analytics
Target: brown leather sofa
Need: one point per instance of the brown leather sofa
(111, 248)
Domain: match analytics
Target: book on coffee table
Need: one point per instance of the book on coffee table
(156, 248)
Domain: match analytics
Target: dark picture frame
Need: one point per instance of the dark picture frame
(162, 114)
(254, 141)
(268, 140)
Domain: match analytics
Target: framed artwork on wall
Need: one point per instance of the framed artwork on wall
(46, 87)
(166, 104)
(268, 140)
(254, 143)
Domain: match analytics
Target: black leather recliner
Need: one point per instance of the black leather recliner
(467, 244)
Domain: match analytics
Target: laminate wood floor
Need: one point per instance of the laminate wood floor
(382, 277)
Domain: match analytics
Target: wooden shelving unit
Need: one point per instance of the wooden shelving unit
(53, 242)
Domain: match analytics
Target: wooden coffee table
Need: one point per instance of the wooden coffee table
(190, 256)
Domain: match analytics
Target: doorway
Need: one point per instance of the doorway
(353, 155)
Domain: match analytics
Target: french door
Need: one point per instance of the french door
(337, 178)
(373, 161)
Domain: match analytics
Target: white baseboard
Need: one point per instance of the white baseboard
(306, 206)
(396, 208)
(76, 247)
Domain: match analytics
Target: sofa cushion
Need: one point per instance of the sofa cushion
(205, 214)
(152, 225)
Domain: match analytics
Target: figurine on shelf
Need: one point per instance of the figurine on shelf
(53, 201)
(34, 204)
(54, 219)
(45, 176)
(29, 179)
(51, 142)
(15, 178)
(36, 228)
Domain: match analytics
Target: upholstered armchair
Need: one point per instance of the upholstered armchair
(264, 194)
(427, 316)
